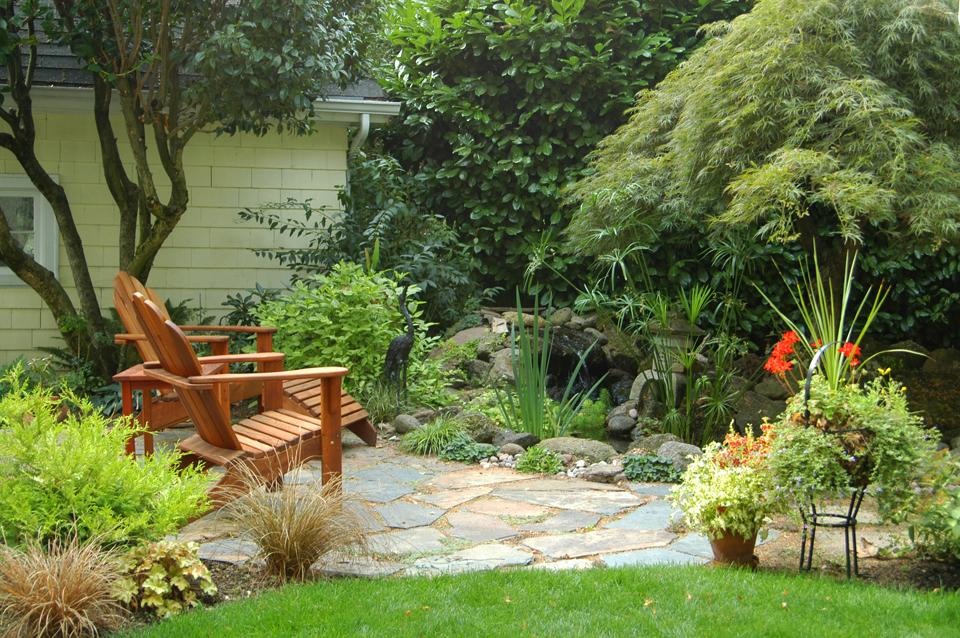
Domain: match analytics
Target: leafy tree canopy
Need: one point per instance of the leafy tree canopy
(503, 100)
(837, 116)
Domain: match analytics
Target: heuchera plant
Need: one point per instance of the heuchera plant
(730, 489)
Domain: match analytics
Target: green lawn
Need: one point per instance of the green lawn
(659, 601)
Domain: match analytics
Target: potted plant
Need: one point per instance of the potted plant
(849, 438)
(728, 494)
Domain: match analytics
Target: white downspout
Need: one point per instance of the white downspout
(358, 141)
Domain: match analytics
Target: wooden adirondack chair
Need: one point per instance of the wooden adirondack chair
(303, 396)
(269, 443)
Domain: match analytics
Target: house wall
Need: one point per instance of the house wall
(209, 254)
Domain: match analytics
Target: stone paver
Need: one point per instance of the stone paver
(596, 501)
(228, 550)
(598, 542)
(565, 521)
(562, 565)
(496, 506)
(473, 477)
(407, 541)
(358, 566)
(405, 515)
(655, 515)
(693, 544)
(477, 558)
(376, 492)
(652, 489)
(451, 498)
(478, 527)
(656, 556)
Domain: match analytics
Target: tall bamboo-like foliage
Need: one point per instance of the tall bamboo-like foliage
(841, 115)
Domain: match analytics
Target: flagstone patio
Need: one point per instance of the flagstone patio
(426, 516)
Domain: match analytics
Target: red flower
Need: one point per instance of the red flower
(777, 365)
(778, 362)
(851, 351)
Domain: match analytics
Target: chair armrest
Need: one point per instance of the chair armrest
(248, 329)
(125, 338)
(177, 381)
(288, 375)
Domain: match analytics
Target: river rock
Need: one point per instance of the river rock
(620, 388)
(561, 316)
(523, 439)
(404, 423)
(470, 334)
(752, 407)
(653, 442)
(620, 425)
(587, 449)
(580, 322)
(771, 389)
(511, 317)
(502, 368)
(680, 454)
(511, 448)
(602, 473)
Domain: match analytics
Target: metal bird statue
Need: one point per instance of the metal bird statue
(398, 352)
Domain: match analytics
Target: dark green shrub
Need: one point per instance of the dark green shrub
(539, 460)
(649, 468)
(348, 317)
(464, 449)
(65, 478)
(502, 102)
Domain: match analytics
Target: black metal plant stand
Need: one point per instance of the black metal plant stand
(813, 519)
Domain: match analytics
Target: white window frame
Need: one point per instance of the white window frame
(46, 232)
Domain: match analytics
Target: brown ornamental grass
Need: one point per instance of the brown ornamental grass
(62, 591)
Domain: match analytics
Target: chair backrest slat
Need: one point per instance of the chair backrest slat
(124, 287)
(176, 356)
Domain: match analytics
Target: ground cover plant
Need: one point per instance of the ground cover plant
(163, 578)
(682, 601)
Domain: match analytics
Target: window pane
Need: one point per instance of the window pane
(19, 214)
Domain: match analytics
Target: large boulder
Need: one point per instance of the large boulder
(479, 427)
(620, 360)
(502, 369)
(567, 346)
(523, 439)
(620, 425)
(752, 407)
(680, 454)
(772, 389)
(653, 442)
(561, 316)
(942, 361)
(602, 473)
(513, 318)
(404, 423)
(904, 360)
(476, 370)
(586, 449)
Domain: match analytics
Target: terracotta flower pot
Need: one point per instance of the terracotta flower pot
(734, 550)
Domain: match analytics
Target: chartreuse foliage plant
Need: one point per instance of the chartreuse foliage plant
(730, 490)
(854, 436)
(64, 475)
(433, 437)
(164, 578)
(796, 117)
(502, 102)
(348, 316)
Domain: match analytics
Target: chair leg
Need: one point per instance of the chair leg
(330, 442)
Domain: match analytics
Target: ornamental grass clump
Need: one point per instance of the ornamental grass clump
(296, 525)
(730, 491)
(63, 590)
(850, 437)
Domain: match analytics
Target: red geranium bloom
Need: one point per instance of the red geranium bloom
(851, 351)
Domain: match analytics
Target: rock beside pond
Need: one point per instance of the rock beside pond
(942, 361)
(404, 423)
(752, 407)
(476, 370)
(602, 473)
(511, 448)
(620, 425)
(771, 389)
(561, 316)
(653, 442)
(587, 449)
(512, 317)
(680, 454)
(523, 439)
(904, 360)
(502, 368)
